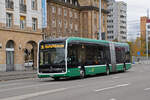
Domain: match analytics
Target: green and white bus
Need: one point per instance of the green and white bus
(73, 56)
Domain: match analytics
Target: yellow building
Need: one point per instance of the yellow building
(79, 18)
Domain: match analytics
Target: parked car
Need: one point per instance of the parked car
(28, 64)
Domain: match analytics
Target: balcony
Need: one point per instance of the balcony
(23, 8)
(9, 4)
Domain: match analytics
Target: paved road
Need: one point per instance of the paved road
(131, 85)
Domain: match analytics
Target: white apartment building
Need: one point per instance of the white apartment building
(20, 32)
(22, 12)
(117, 21)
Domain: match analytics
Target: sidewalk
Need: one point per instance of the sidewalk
(14, 75)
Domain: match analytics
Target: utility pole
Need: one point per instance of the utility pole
(100, 37)
(147, 41)
(147, 32)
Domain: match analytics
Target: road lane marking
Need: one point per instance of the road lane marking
(117, 86)
(147, 89)
(26, 96)
(22, 87)
(113, 99)
(13, 84)
(116, 77)
(21, 97)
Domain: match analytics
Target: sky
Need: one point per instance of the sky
(135, 9)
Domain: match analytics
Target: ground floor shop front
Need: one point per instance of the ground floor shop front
(18, 50)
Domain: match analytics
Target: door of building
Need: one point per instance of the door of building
(10, 56)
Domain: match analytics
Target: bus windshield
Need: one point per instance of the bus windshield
(53, 54)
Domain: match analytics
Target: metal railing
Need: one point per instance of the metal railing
(140, 60)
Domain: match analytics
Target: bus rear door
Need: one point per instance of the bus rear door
(113, 56)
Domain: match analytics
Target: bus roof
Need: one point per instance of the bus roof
(94, 41)
(70, 39)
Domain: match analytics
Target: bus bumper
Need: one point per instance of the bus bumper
(48, 75)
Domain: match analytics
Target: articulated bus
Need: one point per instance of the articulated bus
(74, 56)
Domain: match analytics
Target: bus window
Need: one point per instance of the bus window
(127, 55)
(119, 56)
(72, 58)
(44, 58)
(107, 56)
(95, 55)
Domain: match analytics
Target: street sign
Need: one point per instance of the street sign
(138, 53)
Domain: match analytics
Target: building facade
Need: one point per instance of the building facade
(143, 21)
(20, 31)
(79, 18)
(117, 21)
(144, 27)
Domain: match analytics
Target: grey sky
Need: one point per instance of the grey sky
(135, 9)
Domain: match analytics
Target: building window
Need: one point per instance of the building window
(95, 3)
(95, 16)
(22, 22)
(71, 25)
(8, 20)
(9, 4)
(65, 12)
(70, 1)
(53, 22)
(34, 24)
(34, 4)
(59, 11)
(59, 26)
(22, 6)
(75, 14)
(70, 14)
(103, 20)
(53, 9)
(22, 1)
(60, 23)
(76, 3)
(65, 24)
(76, 27)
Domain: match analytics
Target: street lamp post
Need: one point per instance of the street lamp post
(100, 37)
(147, 43)
(147, 33)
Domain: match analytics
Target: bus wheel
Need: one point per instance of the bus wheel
(56, 78)
(82, 73)
(107, 71)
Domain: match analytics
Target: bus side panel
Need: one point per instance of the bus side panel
(128, 66)
(120, 67)
(73, 72)
(110, 68)
(95, 70)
